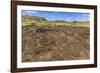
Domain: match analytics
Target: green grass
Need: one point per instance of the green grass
(48, 23)
(41, 22)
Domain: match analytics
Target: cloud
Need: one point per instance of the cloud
(29, 12)
(86, 15)
(68, 19)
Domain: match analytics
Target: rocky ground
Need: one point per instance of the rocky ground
(54, 43)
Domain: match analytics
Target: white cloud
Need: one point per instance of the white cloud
(31, 12)
(69, 19)
(85, 15)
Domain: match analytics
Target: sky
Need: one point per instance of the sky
(55, 16)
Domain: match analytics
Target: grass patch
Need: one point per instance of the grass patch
(42, 22)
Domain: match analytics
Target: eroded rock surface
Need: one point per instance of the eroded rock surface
(54, 43)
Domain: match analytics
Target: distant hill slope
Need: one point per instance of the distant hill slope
(32, 19)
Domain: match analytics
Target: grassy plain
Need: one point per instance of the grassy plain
(43, 22)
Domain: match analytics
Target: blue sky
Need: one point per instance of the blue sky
(62, 16)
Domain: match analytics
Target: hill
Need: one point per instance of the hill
(30, 20)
